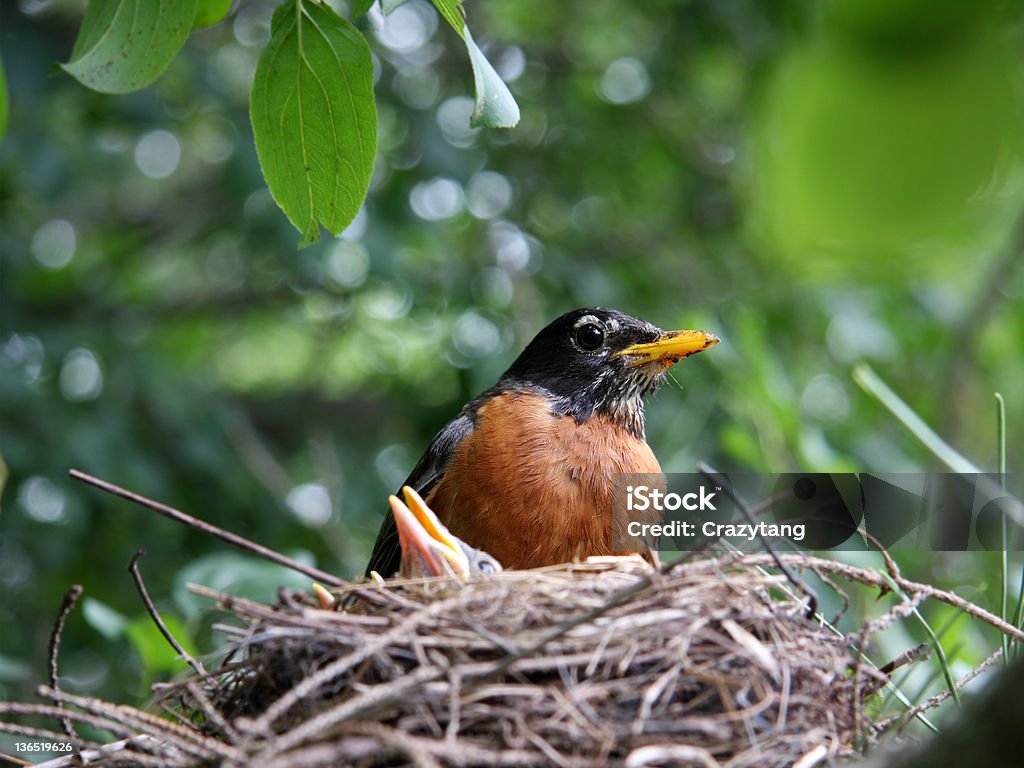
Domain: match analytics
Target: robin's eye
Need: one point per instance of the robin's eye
(589, 337)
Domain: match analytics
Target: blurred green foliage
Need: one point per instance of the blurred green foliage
(906, 153)
(817, 183)
(3, 101)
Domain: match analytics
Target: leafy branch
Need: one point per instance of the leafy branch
(312, 107)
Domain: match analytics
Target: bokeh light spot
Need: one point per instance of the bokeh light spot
(436, 199)
(42, 500)
(824, 398)
(625, 81)
(511, 64)
(18, 570)
(855, 333)
(157, 154)
(85, 671)
(310, 503)
(25, 351)
(53, 244)
(493, 287)
(419, 87)
(511, 247)
(81, 377)
(453, 119)
(408, 27)
(488, 194)
(347, 263)
(357, 228)
(251, 26)
(475, 336)
(215, 140)
(393, 465)
(386, 302)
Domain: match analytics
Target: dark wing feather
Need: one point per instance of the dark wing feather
(387, 554)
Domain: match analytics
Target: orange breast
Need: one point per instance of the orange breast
(534, 488)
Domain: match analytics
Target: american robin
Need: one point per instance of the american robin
(428, 547)
(525, 470)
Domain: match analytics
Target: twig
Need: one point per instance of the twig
(133, 567)
(398, 741)
(877, 579)
(104, 753)
(325, 675)
(70, 598)
(940, 652)
(909, 656)
(182, 737)
(211, 712)
(200, 525)
(683, 754)
(716, 477)
(53, 710)
(369, 700)
(940, 697)
(14, 760)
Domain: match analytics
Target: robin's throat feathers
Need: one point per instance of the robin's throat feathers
(619, 398)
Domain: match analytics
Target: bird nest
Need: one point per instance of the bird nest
(565, 667)
(709, 662)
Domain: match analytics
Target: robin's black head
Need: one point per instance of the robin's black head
(597, 360)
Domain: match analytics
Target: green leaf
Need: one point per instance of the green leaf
(387, 6)
(103, 618)
(240, 575)
(124, 45)
(495, 106)
(3, 129)
(314, 118)
(210, 12)
(359, 7)
(156, 653)
(452, 12)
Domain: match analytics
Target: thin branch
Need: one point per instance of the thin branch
(874, 578)
(200, 525)
(133, 567)
(211, 712)
(70, 598)
(940, 697)
(716, 477)
(180, 736)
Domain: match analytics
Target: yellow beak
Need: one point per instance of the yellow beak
(428, 549)
(672, 347)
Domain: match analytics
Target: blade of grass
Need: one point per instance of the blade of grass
(872, 383)
(940, 654)
(1004, 584)
(1018, 614)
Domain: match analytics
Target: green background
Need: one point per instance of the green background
(817, 183)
